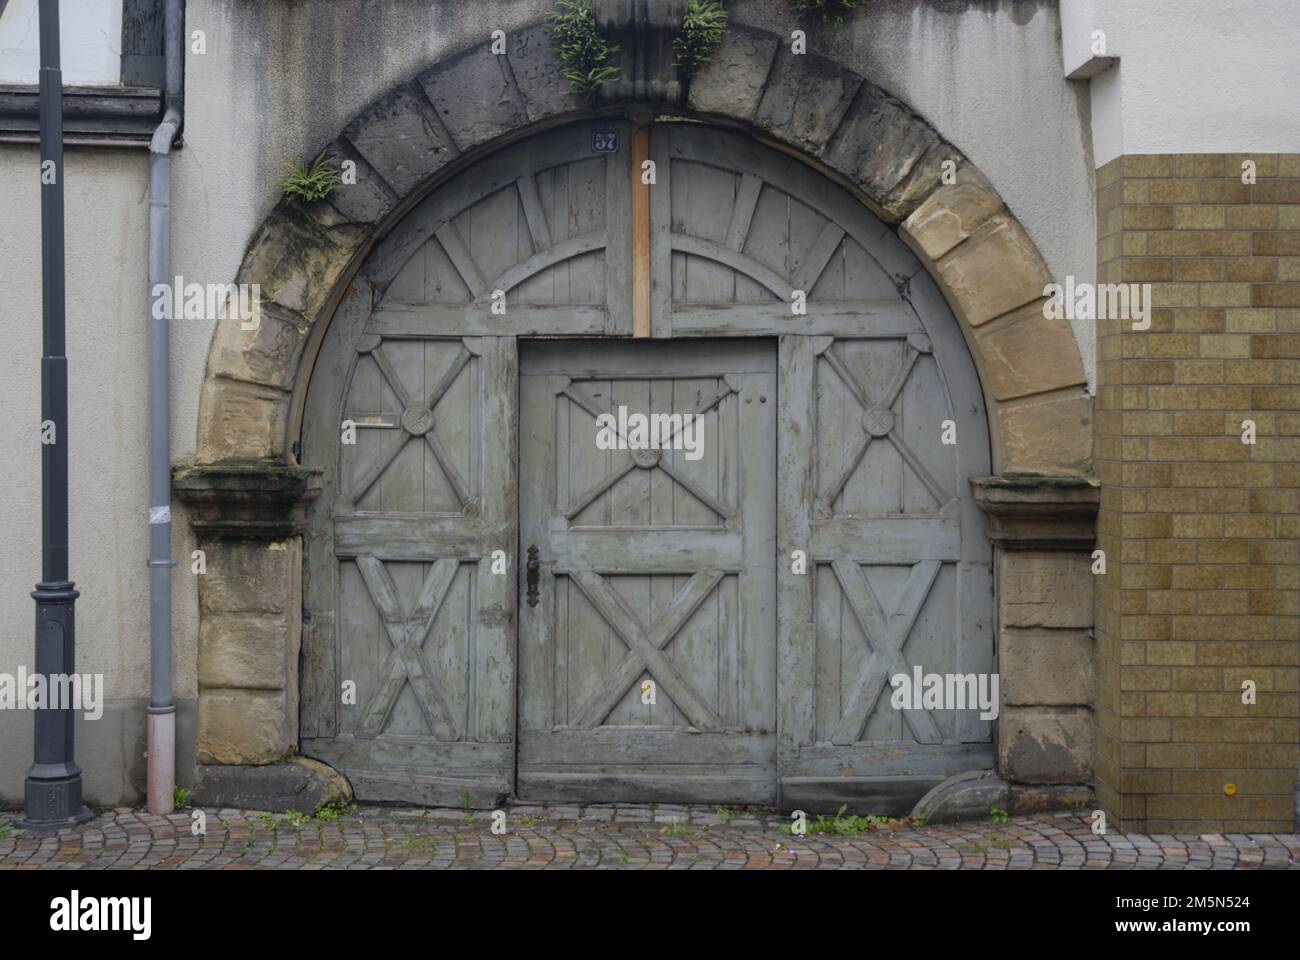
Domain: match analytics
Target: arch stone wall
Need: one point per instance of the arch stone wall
(406, 143)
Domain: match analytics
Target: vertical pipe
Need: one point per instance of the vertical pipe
(161, 786)
(52, 796)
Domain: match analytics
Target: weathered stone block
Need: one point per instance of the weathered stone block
(952, 213)
(1044, 745)
(241, 421)
(475, 96)
(248, 576)
(245, 651)
(298, 255)
(370, 198)
(267, 354)
(402, 139)
(298, 784)
(925, 178)
(243, 726)
(1045, 589)
(880, 144)
(993, 272)
(539, 76)
(1048, 433)
(1024, 353)
(805, 99)
(1045, 667)
(731, 83)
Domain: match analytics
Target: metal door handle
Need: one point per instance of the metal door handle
(533, 566)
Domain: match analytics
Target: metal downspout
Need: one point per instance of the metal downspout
(162, 709)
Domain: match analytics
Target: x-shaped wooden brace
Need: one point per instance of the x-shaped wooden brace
(416, 421)
(878, 420)
(646, 647)
(887, 635)
(631, 461)
(405, 661)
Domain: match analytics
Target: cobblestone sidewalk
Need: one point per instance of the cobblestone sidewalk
(612, 837)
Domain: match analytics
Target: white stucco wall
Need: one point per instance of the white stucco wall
(1194, 76)
(91, 35)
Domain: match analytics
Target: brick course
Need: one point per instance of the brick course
(1200, 530)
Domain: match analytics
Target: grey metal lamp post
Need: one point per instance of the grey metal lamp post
(53, 794)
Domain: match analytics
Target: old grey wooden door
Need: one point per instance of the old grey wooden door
(647, 665)
(880, 428)
(823, 436)
(408, 667)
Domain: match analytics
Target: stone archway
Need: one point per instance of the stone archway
(246, 490)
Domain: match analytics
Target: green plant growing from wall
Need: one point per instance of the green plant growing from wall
(702, 30)
(827, 11)
(584, 53)
(180, 798)
(310, 183)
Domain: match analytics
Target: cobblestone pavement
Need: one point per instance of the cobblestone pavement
(613, 837)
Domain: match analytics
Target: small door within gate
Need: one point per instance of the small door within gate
(647, 635)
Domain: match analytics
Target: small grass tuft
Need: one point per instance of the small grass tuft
(702, 30)
(827, 11)
(842, 825)
(335, 810)
(310, 183)
(998, 815)
(584, 53)
(181, 798)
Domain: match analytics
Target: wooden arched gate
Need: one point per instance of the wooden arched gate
(674, 652)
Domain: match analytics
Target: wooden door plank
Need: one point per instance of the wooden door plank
(640, 233)
(796, 650)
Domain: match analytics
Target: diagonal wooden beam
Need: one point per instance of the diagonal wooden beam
(814, 264)
(742, 214)
(642, 656)
(405, 661)
(390, 445)
(460, 258)
(836, 363)
(887, 638)
(533, 212)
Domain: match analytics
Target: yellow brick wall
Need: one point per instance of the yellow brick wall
(1201, 532)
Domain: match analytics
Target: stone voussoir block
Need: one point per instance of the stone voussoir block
(731, 83)
(299, 253)
(1047, 433)
(1026, 353)
(952, 213)
(243, 726)
(890, 153)
(539, 76)
(369, 199)
(402, 138)
(475, 96)
(241, 421)
(263, 352)
(805, 99)
(1045, 745)
(1000, 249)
